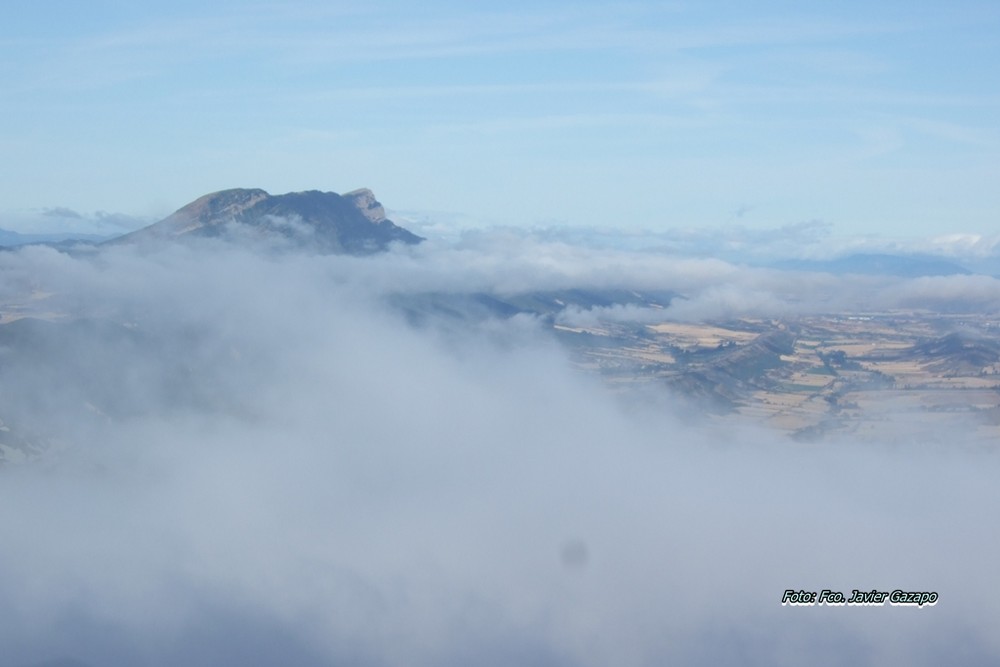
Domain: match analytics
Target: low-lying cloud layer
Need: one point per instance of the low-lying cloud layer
(256, 461)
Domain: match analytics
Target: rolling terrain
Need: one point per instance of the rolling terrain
(874, 375)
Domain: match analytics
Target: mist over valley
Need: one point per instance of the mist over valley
(252, 446)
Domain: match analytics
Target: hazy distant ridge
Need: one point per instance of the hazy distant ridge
(10, 239)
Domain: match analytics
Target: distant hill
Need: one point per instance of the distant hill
(353, 223)
(959, 354)
(904, 266)
(476, 306)
(9, 239)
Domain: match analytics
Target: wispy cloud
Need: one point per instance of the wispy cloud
(61, 212)
(809, 107)
(310, 38)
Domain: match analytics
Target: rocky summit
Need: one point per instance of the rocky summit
(326, 222)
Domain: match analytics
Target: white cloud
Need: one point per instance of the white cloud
(288, 473)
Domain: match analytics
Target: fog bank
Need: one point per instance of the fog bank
(254, 460)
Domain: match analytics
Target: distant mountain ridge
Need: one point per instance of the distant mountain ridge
(353, 223)
(879, 264)
(11, 239)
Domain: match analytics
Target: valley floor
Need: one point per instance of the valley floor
(889, 376)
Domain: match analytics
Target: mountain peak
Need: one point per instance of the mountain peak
(353, 223)
(364, 200)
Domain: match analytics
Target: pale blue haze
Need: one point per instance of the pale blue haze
(874, 117)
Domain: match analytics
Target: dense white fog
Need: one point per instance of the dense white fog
(254, 459)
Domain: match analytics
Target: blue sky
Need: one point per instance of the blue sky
(876, 118)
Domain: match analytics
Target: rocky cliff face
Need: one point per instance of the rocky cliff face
(364, 200)
(353, 223)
